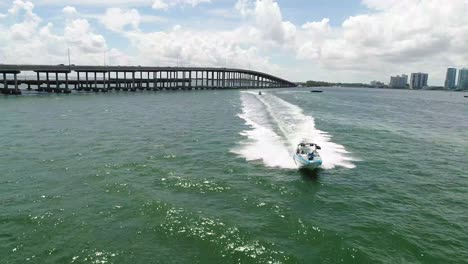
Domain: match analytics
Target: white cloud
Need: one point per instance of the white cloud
(391, 37)
(88, 42)
(26, 28)
(317, 27)
(202, 48)
(69, 11)
(385, 4)
(160, 4)
(117, 19)
(245, 7)
(268, 20)
(395, 36)
(166, 4)
(30, 42)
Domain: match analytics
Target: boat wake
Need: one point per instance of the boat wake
(275, 129)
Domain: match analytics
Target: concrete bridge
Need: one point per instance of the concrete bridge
(65, 78)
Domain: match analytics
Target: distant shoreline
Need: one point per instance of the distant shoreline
(362, 85)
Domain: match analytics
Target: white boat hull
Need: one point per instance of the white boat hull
(304, 163)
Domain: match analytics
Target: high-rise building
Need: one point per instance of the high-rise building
(398, 81)
(450, 78)
(419, 80)
(463, 79)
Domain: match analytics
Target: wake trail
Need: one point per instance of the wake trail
(275, 129)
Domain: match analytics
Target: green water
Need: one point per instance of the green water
(206, 177)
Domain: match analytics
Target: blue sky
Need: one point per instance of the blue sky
(347, 41)
(296, 11)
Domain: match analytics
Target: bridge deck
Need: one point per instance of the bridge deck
(63, 78)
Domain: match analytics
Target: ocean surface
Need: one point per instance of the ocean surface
(208, 177)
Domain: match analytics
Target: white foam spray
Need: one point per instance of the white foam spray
(275, 129)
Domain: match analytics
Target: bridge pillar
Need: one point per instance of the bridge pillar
(203, 84)
(174, 81)
(38, 81)
(212, 80)
(87, 82)
(200, 80)
(117, 81)
(16, 84)
(48, 81)
(228, 83)
(215, 79)
(5, 82)
(78, 81)
(236, 80)
(223, 79)
(123, 80)
(227, 80)
(66, 81)
(171, 80)
(190, 79)
(231, 79)
(95, 82)
(141, 81)
(57, 85)
(106, 83)
(183, 80)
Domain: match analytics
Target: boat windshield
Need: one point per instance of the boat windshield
(306, 148)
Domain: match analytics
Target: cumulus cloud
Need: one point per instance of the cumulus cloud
(117, 19)
(30, 23)
(29, 41)
(394, 36)
(166, 4)
(87, 42)
(203, 48)
(267, 20)
(390, 37)
(69, 11)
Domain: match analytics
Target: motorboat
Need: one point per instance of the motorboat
(307, 156)
(259, 93)
(316, 91)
